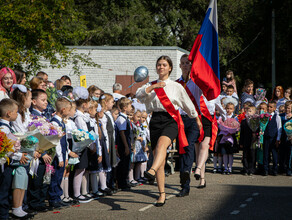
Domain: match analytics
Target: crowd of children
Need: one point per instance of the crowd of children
(118, 157)
(115, 161)
(258, 141)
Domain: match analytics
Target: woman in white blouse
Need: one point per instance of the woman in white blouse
(163, 128)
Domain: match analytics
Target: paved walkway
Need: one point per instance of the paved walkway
(225, 197)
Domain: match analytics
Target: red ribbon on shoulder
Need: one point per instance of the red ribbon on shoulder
(183, 142)
(205, 112)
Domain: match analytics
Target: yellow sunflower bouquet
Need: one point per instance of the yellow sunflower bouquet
(6, 148)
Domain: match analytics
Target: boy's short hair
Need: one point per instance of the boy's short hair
(62, 103)
(273, 102)
(115, 107)
(184, 55)
(123, 102)
(230, 87)
(36, 93)
(7, 105)
(230, 103)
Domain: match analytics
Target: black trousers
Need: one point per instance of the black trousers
(123, 169)
(248, 161)
(5, 187)
(38, 191)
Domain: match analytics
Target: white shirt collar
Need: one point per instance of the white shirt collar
(37, 111)
(5, 121)
(124, 114)
(58, 118)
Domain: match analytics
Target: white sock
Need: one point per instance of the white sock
(102, 179)
(84, 184)
(143, 168)
(62, 187)
(215, 162)
(131, 174)
(66, 187)
(18, 212)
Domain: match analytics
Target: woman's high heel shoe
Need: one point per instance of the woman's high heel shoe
(149, 176)
(159, 204)
(202, 186)
(197, 176)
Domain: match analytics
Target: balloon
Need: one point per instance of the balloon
(140, 74)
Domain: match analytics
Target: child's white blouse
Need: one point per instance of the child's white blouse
(19, 126)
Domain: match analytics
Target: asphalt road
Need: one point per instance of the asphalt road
(225, 197)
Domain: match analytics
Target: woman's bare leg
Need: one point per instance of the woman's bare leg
(158, 164)
(202, 156)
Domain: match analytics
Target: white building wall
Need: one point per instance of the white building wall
(118, 60)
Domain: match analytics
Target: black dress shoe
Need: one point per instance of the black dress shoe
(202, 186)
(41, 209)
(266, 173)
(184, 177)
(183, 193)
(197, 176)
(27, 216)
(160, 204)
(56, 205)
(149, 176)
(31, 211)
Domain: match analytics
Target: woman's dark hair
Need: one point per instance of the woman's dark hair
(168, 60)
(19, 76)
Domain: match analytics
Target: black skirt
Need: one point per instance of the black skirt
(83, 160)
(207, 127)
(162, 124)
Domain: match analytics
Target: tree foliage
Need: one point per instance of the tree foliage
(31, 31)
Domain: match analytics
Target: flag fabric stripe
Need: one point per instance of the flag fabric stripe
(205, 55)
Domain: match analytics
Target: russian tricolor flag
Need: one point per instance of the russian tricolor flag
(205, 55)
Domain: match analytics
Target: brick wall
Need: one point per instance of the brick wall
(118, 60)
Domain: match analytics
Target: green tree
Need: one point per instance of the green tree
(31, 31)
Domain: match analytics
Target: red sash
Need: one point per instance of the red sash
(183, 142)
(203, 111)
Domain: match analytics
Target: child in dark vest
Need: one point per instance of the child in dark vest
(63, 107)
(123, 141)
(8, 113)
(37, 192)
(272, 137)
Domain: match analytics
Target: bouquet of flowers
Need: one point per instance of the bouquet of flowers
(288, 129)
(49, 135)
(6, 148)
(29, 145)
(227, 128)
(241, 116)
(81, 139)
(253, 122)
(264, 119)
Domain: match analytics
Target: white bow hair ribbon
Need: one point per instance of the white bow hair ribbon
(98, 109)
(22, 88)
